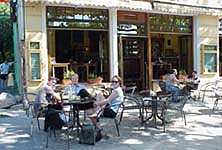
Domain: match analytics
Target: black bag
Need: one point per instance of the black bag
(53, 120)
(89, 134)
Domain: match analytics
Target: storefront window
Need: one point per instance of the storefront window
(170, 23)
(210, 58)
(62, 17)
(131, 28)
(35, 60)
(210, 63)
(220, 26)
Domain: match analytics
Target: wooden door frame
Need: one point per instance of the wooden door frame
(142, 62)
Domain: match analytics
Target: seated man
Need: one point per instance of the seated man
(45, 95)
(46, 99)
(76, 88)
(195, 80)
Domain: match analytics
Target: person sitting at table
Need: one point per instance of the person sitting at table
(195, 80)
(46, 102)
(76, 88)
(107, 106)
(171, 82)
(45, 95)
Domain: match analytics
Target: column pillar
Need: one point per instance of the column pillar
(113, 37)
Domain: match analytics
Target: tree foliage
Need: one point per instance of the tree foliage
(6, 33)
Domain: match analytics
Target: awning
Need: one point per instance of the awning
(121, 4)
(156, 6)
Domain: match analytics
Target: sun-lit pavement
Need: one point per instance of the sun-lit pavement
(203, 132)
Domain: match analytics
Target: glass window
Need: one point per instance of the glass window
(170, 23)
(35, 66)
(131, 28)
(209, 58)
(62, 17)
(210, 62)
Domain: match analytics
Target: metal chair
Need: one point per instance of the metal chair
(28, 105)
(183, 97)
(218, 96)
(132, 101)
(130, 90)
(66, 126)
(206, 89)
(117, 119)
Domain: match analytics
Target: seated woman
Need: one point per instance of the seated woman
(171, 82)
(108, 106)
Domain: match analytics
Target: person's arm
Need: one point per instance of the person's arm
(56, 96)
(107, 100)
(10, 63)
(53, 93)
(176, 80)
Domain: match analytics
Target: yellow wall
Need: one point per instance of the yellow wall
(168, 50)
(33, 32)
(208, 31)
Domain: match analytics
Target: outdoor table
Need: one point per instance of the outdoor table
(76, 106)
(158, 101)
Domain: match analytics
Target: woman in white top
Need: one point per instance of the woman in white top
(110, 104)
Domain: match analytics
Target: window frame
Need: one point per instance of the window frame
(203, 56)
(35, 51)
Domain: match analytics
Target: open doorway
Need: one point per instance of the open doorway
(131, 55)
(171, 51)
(85, 51)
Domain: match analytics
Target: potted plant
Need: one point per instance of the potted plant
(94, 79)
(67, 77)
(183, 74)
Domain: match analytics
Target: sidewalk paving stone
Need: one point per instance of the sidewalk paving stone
(203, 132)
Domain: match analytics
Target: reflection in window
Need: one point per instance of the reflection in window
(62, 17)
(170, 23)
(210, 62)
(131, 47)
(131, 28)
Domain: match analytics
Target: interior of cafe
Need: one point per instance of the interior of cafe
(148, 44)
(171, 51)
(84, 51)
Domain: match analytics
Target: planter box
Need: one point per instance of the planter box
(95, 80)
(182, 77)
(66, 81)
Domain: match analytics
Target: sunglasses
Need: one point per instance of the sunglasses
(115, 81)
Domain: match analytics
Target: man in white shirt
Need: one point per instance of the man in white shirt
(4, 69)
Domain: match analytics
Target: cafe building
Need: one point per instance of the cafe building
(140, 40)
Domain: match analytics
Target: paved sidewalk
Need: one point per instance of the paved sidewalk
(203, 132)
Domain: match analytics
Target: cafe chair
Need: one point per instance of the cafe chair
(131, 102)
(206, 89)
(183, 98)
(217, 96)
(28, 105)
(162, 85)
(117, 119)
(58, 122)
(129, 90)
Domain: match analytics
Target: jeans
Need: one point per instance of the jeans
(174, 90)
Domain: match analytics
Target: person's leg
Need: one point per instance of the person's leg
(1, 81)
(108, 112)
(175, 91)
(4, 81)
